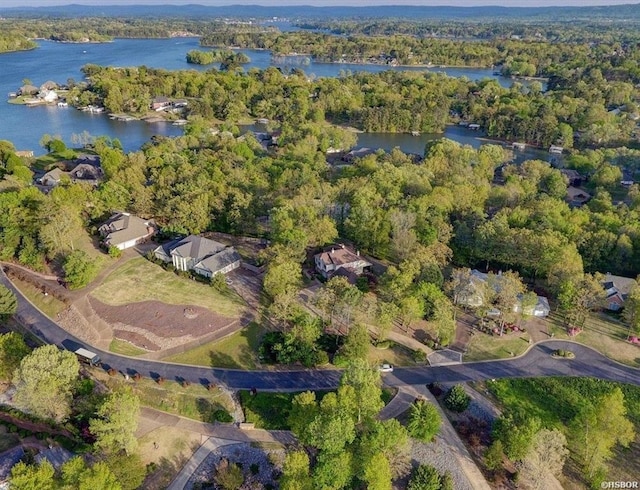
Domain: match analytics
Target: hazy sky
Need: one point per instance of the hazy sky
(459, 3)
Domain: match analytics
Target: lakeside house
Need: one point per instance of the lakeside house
(87, 171)
(200, 255)
(53, 177)
(124, 230)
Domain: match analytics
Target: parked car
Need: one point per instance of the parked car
(386, 368)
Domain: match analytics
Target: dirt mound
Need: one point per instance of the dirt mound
(154, 325)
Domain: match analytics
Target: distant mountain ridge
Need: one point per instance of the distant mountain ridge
(629, 12)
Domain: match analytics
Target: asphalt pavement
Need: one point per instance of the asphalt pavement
(536, 362)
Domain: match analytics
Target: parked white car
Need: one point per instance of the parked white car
(386, 368)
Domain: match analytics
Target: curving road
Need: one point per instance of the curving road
(536, 362)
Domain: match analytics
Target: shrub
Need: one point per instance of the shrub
(222, 415)
(322, 358)
(424, 421)
(228, 475)
(137, 377)
(112, 372)
(419, 356)
(219, 283)
(457, 399)
(114, 252)
(79, 269)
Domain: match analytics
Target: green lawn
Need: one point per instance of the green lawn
(271, 410)
(239, 351)
(604, 333)
(49, 305)
(125, 348)
(483, 346)
(556, 401)
(397, 355)
(140, 280)
(193, 401)
(267, 410)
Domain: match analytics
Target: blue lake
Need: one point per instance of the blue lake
(25, 126)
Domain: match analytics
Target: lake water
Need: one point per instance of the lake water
(24, 126)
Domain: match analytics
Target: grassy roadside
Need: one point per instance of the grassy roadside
(484, 347)
(605, 334)
(237, 351)
(118, 346)
(271, 410)
(140, 280)
(193, 401)
(49, 305)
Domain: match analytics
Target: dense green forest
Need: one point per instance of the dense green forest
(14, 41)
(578, 31)
(577, 105)
(228, 59)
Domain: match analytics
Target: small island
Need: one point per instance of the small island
(225, 57)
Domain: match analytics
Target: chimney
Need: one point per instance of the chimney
(358, 253)
(332, 250)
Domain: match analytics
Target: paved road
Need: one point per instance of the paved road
(537, 362)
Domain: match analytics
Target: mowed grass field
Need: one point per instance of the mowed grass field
(49, 305)
(237, 351)
(140, 280)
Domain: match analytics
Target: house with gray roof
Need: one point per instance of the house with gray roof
(53, 177)
(617, 289)
(124, 230)
(85, 172)
(199, 254)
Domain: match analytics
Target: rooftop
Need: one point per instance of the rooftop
(123, 227)
(340, 256)
(196, 247)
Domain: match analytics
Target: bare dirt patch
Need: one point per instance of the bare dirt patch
(153, 325)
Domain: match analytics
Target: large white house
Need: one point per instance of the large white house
(201, 255)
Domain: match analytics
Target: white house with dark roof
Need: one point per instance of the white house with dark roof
(123, 230)
(201, 255)
(340, 260)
